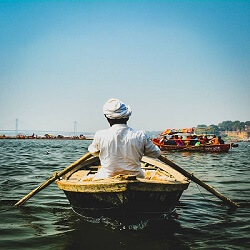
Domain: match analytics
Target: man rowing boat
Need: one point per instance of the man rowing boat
(120, 148)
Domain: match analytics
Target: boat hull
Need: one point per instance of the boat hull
(125, 198)
(124, 206)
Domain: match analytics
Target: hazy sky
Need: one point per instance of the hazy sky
(177, 63)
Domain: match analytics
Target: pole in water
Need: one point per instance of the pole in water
(75, 128)
(16, 132)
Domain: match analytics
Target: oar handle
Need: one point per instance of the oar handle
(198, 181)
(53, 178)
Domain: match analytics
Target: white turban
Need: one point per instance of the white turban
(115, 109)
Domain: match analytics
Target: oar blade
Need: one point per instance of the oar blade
(198, 181)
(53, 178)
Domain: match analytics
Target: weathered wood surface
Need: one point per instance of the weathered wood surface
(81, 165)
(168, 180)
(179, 176)
(112, 185)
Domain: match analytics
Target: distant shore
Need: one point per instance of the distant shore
(45, 137)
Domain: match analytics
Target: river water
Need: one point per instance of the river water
(46, 221)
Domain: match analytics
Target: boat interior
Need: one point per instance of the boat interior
(153, 171)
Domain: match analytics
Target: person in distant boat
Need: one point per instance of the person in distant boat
(214, 140)
(200, 140)
(188, 140)
(163, 140)
(120, 148)
(181, 142)
(205, 139)
(178, 140)
(193, 140)
(220, 140)
(171, 141)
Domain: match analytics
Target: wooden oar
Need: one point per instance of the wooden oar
(53, 178)
(198, 181)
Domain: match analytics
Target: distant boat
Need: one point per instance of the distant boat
(193, 148)
(191, 145)
(124, 197)
(246, 140)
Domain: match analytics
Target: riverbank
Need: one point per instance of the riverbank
(45, 138)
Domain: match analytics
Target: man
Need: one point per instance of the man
(214, 140)
(220, 140)
(120, 148)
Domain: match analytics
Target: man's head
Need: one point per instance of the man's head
(116, 111)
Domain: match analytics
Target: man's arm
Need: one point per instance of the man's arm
(150, 149)
(94, 146)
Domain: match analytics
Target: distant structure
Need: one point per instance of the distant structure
(16, 132)
(237, 135)
(75, 128)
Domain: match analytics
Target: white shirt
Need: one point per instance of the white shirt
(121, 149)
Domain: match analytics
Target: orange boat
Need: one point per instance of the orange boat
(187, 144)
(193, 148)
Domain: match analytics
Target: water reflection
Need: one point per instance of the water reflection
(31, 220)
(158, 234)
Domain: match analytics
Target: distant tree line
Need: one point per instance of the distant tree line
(226, 126)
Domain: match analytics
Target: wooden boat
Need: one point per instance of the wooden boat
(124, 197)
(193, 148)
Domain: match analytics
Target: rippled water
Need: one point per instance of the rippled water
(46, 221)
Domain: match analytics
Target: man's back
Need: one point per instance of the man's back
(121, 149)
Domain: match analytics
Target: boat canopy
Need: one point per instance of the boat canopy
(171, 131)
